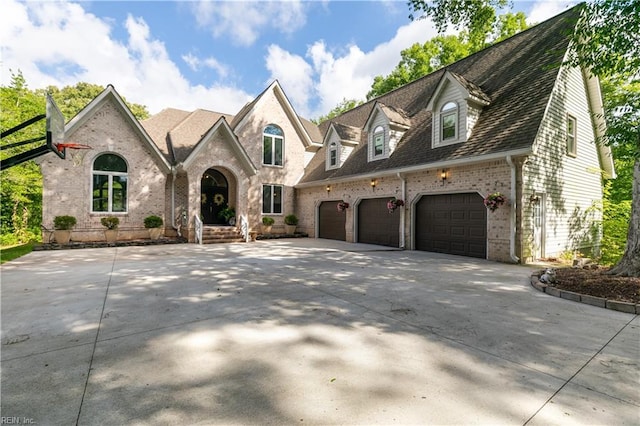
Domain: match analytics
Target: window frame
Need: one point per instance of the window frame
(110, 185)
(272, 196)
(571, 140)
(379, 133)
(333, 153)
(445, 113)
(273, 139)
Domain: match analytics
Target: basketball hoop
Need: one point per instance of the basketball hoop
(76, 151)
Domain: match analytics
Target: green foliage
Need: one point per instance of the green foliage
(477, 17)
(422, 59)
(227, 213)
(291, 219)
(64, 222)
(72, 99)
(607, 38)
(343, 106)
(21, 185)
(616, 218)
(110, 222)
(153, 221)
(11, 253)
(268, 221)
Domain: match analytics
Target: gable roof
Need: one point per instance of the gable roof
(300, 126)
(345, 133)
(109, 94)
(221, 126)
(518, 76)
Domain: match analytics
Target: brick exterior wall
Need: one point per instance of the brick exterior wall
(482, 178)
(67, 186)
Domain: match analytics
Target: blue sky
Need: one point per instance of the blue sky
(216, 55)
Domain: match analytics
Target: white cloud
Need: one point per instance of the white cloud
(197, 64)
(334, 75)
(80, 47)
(243, 21)
(545, 9)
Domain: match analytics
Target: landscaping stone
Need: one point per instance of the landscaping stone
(629, 308)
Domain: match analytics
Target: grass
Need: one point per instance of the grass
(13, 252)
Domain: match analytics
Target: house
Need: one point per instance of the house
(183, 166)
(508, 119)
(411, 169)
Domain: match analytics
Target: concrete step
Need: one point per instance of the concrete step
(221, 234)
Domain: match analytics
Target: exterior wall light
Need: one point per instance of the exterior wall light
(373, 183)
(444, 175)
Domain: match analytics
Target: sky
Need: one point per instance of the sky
(217, 55)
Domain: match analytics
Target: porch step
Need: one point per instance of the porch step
(221, 234)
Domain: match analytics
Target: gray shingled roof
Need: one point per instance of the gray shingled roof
(348, 133)
(517, 74)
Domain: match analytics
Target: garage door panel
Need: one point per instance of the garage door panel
(376, 225)
(451, 223)
(331, 221)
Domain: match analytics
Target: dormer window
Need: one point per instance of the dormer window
(449, 122)
(333, 155)
(377, 143)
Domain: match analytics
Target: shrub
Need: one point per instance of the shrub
(268, 221)
(153, 221)
(291, 219)
(227, 213)
(110, 222)
(614, 228)
(64, 222)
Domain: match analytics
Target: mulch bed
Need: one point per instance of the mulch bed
(595, 282)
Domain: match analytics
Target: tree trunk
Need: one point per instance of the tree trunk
(629, 264)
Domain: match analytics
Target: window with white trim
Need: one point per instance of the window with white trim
(572, 145)
(272, 145)
(377, 142)
(449, 122)
(333, 155)
(109, 184)
(272, 199)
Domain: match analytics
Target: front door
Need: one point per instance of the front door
(214, 197)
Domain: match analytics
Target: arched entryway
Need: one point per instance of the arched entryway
(214, 197)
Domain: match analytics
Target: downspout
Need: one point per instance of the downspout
(403, 214)
(173, 200)
(512, 213)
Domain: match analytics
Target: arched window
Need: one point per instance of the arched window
(109, 184)
(333, 154)
(449, 121)
(378, 141)
(272, 145)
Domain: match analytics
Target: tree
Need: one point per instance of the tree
(71, 99)
(422, 59)
(478, 17)
(601, 47)
(21, 185)
(606, 42)
(343, 106)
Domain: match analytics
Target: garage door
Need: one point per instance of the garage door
(331, 222)
(452, 223)
(376, 225)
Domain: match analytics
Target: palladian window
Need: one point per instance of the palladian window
(272, 145)
(109, 184)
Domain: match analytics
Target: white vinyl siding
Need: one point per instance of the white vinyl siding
(572, 184)
(450, 93)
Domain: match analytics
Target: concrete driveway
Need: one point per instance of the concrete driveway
(301, 332)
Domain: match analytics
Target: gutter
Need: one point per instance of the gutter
(512, 213)
(418, 168)
(403, 215)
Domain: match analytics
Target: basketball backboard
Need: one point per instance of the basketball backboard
(55, 128)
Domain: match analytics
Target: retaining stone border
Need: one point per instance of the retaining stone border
(630, 308)
(100, 244)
